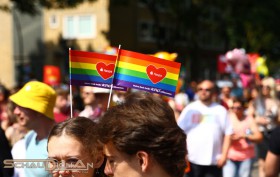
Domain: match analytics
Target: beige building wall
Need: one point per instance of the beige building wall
(7, 71)
(52, 33)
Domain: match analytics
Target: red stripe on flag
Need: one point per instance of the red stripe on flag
(148, 58)
(92, 55)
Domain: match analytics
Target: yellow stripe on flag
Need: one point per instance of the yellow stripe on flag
(83, 65)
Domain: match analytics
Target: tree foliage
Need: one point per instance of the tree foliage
(251, 24)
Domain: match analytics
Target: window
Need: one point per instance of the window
(79, 26)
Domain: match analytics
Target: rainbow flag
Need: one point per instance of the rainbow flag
(92, 69)
(148, 73)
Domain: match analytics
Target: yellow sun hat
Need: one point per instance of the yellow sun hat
(37, 96)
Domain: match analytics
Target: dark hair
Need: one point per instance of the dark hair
(84, 131)
(239, 100)
(146, 123)
(61, 91)
(5, 92)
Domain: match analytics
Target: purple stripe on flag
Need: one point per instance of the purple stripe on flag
(97, 84)
(145, 88)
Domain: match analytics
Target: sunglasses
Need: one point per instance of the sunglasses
(205, 89)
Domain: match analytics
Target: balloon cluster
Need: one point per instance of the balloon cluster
(249, 63)
(238, 60)
(246, 65)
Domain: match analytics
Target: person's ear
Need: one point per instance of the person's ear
(143, 160)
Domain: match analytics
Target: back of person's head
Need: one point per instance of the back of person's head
(36, 96)
(61, 91)
(146, 123)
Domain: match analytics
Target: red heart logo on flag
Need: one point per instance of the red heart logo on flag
(155, 74)
(105, 71)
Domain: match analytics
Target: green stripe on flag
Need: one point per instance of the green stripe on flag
(84, 71)
(144, 76)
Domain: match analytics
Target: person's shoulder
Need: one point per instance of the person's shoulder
(19, 143)
(30, 134)
(194, 103)
(18, 148)
(218, 106)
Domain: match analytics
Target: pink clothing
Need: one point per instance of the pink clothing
(91, 112)
(241, 149)
(246, 80)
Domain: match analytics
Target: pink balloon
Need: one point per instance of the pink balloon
(238, 59)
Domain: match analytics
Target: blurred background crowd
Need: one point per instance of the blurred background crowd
(259, 98)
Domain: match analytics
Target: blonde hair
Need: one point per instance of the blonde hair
(270, 81)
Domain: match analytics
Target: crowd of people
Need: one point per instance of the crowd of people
(208, 129)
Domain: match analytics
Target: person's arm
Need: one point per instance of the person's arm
(226, 144)
(278, 114)
(228, 131)
(251, 111)
(182, 120)
(272, 164)
(256, 135)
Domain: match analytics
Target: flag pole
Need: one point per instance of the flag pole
(111, 89)
(70, 86)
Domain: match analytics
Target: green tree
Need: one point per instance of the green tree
(251, 24)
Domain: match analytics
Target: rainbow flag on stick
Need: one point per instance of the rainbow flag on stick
(92, 69)
(148, 73)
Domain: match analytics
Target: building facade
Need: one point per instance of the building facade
(28, 43)
(7, 76)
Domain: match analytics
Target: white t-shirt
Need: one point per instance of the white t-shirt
(205, 127)
(18, 152)
(30, 148)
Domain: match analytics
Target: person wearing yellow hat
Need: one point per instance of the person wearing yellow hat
(34, 105)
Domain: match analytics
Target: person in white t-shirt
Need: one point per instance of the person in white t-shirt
(208, 131)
